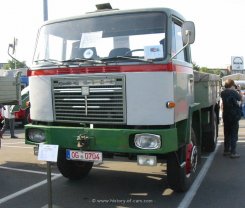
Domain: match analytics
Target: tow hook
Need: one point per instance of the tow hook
(82, 140)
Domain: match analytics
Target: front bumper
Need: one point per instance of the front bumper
(105, 139)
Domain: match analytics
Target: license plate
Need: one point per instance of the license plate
(84, 155)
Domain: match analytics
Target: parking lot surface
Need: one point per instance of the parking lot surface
(120, 184)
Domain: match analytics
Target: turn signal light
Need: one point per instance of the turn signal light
(170, 104)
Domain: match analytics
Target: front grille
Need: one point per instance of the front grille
(93, 100)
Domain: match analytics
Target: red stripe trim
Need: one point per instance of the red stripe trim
(183, 69)
(110, 69)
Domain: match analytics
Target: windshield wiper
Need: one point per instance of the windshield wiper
(51, 61)
(65, 62)
(83, 60)
(132, 58)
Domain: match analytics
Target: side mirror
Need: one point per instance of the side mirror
(188, 32)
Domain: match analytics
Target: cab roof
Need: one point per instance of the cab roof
(169, 12)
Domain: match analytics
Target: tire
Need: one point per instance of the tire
(182, 165)
(210, 135)
(72, 170)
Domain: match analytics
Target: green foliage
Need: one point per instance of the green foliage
(195, 66)
(11, 65)
(211, 71)
(208, 70)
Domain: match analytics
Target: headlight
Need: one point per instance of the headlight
(147, 141)
(36, 135)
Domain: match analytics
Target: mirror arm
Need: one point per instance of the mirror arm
(11, 46)
(188, 41)
(16, 60)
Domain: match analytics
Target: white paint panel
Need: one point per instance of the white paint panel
(41, 98)
(147, 95)
(183, 96)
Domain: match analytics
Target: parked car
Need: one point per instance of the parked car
(22, 116)
(22, 112)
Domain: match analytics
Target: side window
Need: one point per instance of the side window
(177, 42)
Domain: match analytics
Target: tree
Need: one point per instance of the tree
(195, 66)
(11, 65)
(207, 70)
(210, 70)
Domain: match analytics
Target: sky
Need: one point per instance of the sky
(220, 30)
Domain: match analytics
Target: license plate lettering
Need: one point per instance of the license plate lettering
(74, 155)
(91, 156)
(84, 156)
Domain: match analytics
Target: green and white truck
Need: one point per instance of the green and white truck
(121, 83)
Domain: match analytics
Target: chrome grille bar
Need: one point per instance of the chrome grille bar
(104, 103)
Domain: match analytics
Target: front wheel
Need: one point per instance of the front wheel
(73, 170)
(182, 165)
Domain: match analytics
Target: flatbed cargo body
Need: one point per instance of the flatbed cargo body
(207, 88)
(9, 88)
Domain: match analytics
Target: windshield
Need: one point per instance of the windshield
(138, 35)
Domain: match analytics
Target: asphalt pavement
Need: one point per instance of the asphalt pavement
(224, 184)
(219, 184)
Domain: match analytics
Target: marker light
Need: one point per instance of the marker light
(146, 160)
(170, 104)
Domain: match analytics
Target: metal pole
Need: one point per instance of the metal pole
(45, 10)
(49, 185)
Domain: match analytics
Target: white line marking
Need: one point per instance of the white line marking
(12, 146)
(27, 171)
(14, 142)
(23, 191)
(193, 190)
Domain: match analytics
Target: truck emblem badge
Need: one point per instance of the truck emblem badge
(85, 90)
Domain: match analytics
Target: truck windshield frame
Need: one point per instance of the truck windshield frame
(139, 35)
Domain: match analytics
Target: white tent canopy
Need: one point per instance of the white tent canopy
(238, 78)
